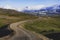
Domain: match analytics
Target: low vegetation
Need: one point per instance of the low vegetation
(8, 16)
(44, 25)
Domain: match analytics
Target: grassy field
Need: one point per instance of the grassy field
(8, 19)
(4, 21)
(44, 25)
(8, 16)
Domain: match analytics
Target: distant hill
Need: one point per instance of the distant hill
(14, 13)
(11, 12)
(8, 16)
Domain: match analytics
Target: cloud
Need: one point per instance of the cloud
(7, 6)
(35, 7)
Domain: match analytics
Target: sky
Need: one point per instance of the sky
(27, 4)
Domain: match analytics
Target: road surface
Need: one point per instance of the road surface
(22, 34)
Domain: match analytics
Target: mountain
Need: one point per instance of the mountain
(52, 10)
(57, 8)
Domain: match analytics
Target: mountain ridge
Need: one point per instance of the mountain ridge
(55, 9)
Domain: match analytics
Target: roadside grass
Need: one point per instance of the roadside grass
(8, 16)
(4, 21)
(12, 19)
(44, 25)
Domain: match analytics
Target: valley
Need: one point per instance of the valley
(16, 25)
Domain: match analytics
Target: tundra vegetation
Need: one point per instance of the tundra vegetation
(8, 16)
(44, 25)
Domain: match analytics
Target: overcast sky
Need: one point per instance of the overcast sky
(31, 4)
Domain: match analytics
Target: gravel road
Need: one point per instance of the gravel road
(22, 34)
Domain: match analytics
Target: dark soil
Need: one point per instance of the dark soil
(5, 31)
(54, 36)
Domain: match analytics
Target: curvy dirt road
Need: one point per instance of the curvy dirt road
(23, 34)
